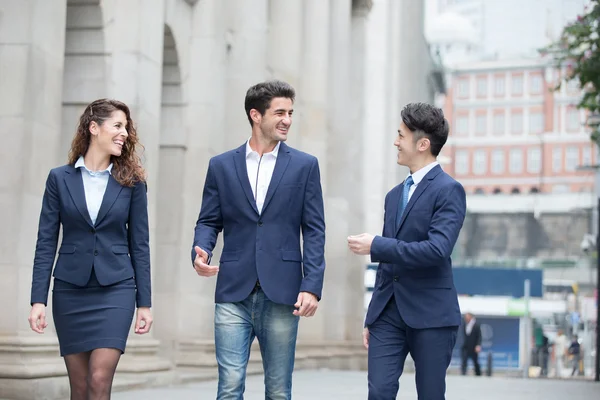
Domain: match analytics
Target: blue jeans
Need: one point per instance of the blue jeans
(276, 328)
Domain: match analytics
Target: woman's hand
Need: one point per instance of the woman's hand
(143, 320)
(37, 318)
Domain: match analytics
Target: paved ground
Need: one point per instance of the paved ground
(343, 385)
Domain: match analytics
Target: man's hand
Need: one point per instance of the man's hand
(366, 338)
(306, 305)
(361, 244)
(143, 320)
(201, 263)
(477, 349)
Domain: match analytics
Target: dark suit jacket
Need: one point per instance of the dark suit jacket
(414, 258)
(472, 340)
(116, 246)
(264, 246)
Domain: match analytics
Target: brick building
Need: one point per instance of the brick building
(510, 133)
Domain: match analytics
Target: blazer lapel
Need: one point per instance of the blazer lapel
(242, 174)
(421, 187)
(113, 188)
(392, 211)
(283, 159)
(74, 184)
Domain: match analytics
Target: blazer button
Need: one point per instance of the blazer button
(396, 279)
(95, 252)
(260, 223)
(93, 230)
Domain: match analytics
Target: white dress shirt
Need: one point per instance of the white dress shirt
(418, 177)
(94, 185)
(260, 170)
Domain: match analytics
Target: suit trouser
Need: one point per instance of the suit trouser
(390, 341)
(467, 354)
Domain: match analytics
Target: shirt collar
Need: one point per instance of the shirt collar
(420, 174)
(273, 153)
(81, 164)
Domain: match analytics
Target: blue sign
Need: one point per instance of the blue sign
(500, 336)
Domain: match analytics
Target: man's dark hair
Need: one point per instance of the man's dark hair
(259, 96)
(425, 120)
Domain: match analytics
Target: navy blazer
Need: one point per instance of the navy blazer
(267, 246)
(414, 257)
(116, 246)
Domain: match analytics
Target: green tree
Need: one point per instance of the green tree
(578, 52)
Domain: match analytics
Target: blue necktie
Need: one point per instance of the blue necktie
(404, 199)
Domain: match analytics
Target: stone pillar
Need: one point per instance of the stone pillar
(379, 127)
(134, 38)
(205, 86)
(284, 57)
(32, 37)
(313, 99)
(246, 41)
(340, 182)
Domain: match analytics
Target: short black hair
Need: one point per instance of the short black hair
(259, 96)
(425, 120)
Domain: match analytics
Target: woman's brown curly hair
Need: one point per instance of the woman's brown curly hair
(127, 168)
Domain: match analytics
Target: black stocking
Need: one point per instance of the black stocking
(77, 368)
(103, 363)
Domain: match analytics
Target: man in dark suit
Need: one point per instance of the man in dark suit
(262, 195)
(471, 346)
(414, 308)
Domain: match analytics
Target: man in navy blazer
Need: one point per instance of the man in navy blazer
(414, 308)
(262, 195)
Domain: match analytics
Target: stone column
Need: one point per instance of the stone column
(134, 38)
(284, 52)
(205, 86)
(32, 37)
(246, 43)
(313, 99)
(340, 182)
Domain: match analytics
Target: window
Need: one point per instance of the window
(534, 160)
(462, 125)
(536, 122)
(482, 87)
(479, 162)
(479, 191)
(557, 161)
(515, 190)
(499, 123)
(534, 190)
(571, 158)
(517, 85)
(498, 161)
(461, 165)
(536, 84)
(497, 190)
(516, 161)
(499, 85)
(586, 156)
(480, 124)
(463, 87)
(516, 122)
(573, 123)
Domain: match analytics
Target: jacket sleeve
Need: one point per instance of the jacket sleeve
(313, 233)
(210, 220)
(444, 228)
(139, 248)
(47, 241)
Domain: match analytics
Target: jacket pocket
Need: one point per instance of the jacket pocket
(230, 256)
(120, 249)
(291, 255)
(67, 249)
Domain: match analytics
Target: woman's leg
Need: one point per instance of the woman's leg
(103, 363)
(77, 368)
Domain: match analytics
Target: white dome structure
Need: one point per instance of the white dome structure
(451, 28)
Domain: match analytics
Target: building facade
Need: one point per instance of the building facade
(511, 133)
(183, 67)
